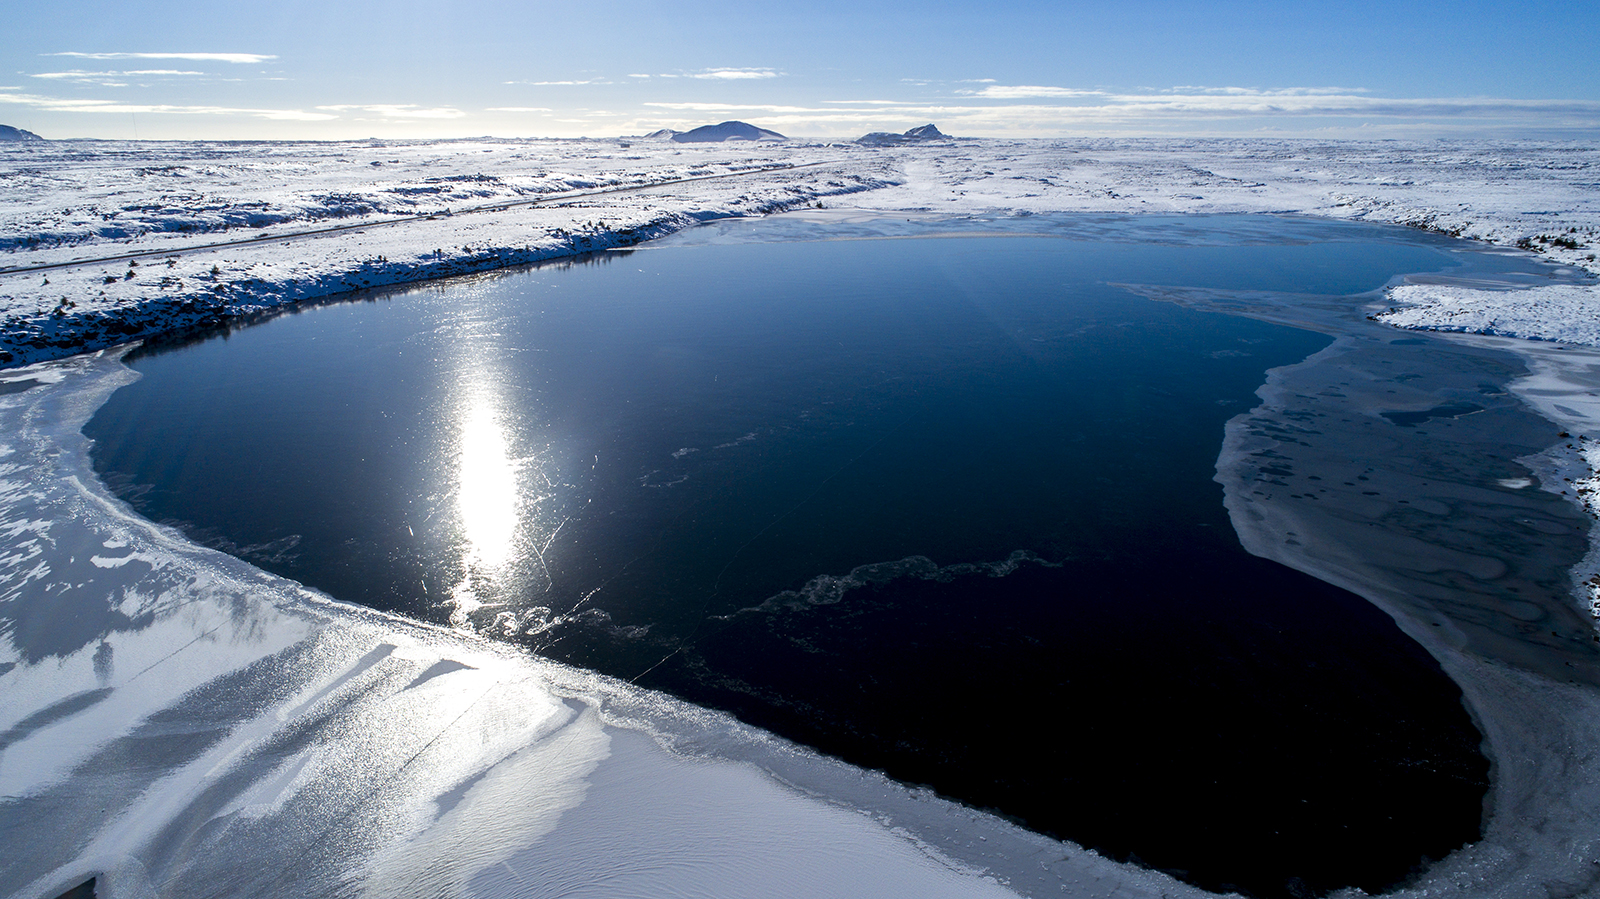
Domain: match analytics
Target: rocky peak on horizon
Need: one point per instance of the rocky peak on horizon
(723, 131)
(9, 133)
(921, 133)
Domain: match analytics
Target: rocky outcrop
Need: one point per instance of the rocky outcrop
(8, 133)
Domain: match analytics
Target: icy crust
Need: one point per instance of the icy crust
(178, 723)
(343, 216)
(830, 589)
(1471, 566)
(1397, 467)
(1562, 383)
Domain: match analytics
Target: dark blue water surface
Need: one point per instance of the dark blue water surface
(942, 507)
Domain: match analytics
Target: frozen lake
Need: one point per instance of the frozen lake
(943, 506)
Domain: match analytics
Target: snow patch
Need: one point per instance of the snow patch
(1567, 313)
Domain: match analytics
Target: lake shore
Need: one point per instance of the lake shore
(1532, 695)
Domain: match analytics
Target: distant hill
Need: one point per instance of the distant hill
(9, 133)
(723, 131)
(915, 135)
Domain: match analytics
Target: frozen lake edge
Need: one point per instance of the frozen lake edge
(1536, 837)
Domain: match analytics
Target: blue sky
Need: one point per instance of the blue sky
(404, 68)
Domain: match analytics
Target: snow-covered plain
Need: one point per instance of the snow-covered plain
(176, 722)
(194, 232)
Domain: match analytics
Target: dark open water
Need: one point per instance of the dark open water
(942, 507)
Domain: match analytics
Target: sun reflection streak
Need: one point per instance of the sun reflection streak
(508, 507)
(487, 497)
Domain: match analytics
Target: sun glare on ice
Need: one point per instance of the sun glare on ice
(487, 497)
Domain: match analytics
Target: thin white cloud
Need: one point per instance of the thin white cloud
(197, 57)
(399, 110)
(293, 115)
(732, 107)
(55, 104)
(1027, 92)
(551, 83)
(103, 79)
(519, 109)
(734, 74)
(1198, 110)
(1170, 107)
(1304, 101)
(109, 79)
(1258, 92)
(76, 75)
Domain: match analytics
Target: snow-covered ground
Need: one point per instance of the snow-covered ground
(1560, 312)
(185, 233)
(177, 722)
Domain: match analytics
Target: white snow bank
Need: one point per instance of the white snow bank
(1567, 313)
